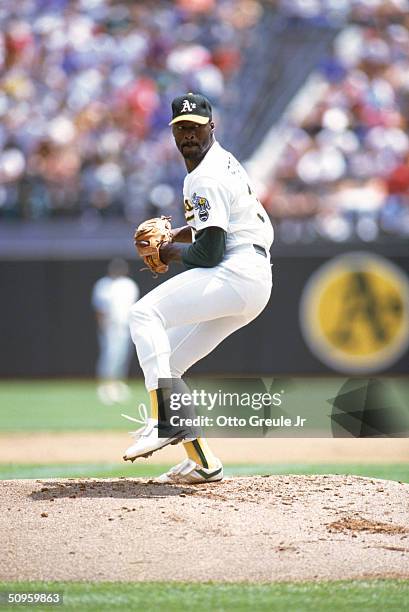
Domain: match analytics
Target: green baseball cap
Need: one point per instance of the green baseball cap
(191, 107)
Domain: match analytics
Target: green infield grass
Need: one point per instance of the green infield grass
(61, 406)
(337, 596)
(67, 405)
(396, 471)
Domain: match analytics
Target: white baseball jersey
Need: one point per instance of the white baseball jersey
(218, 193)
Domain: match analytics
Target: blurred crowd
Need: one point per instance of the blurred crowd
(345, 173)
(85, 92)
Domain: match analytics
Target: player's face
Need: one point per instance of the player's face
(192, 139)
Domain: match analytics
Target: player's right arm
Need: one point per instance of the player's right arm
(100, 318)
(99, 301)
(182, 234)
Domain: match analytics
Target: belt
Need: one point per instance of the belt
(260, 250)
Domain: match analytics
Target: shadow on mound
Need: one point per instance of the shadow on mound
(132, 489)
(249, 529)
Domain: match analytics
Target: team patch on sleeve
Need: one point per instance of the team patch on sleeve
(202, 205)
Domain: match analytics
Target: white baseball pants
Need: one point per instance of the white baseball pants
(185, 318)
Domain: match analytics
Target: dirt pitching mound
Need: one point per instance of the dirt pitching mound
(258, 529)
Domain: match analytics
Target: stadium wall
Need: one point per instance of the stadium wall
(48, 326)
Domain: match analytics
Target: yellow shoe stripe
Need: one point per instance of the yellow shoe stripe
(191, 452)
(198, 450)
(154, 404)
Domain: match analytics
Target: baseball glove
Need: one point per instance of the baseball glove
(149, 237)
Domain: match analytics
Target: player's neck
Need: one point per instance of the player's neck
(192, 164)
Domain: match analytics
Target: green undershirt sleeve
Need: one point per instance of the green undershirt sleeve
(208, 249)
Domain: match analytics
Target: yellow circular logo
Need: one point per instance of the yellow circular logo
(355, 313)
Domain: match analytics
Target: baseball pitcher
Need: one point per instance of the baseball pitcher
(224, 248)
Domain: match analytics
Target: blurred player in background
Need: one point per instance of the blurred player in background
(112, 297)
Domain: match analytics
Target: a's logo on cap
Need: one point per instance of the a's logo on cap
(188, 106)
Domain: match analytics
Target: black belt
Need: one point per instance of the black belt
(259, 249)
